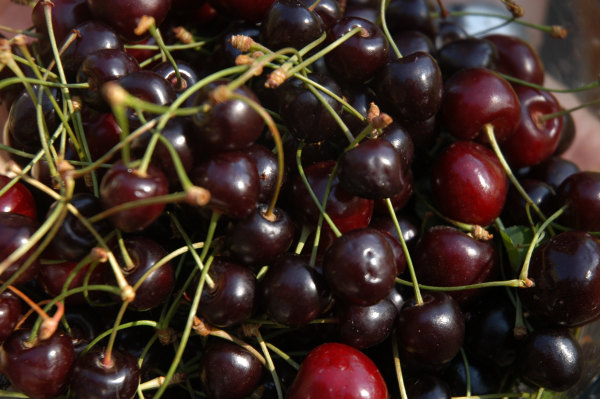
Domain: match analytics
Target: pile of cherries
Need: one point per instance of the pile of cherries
(295, 198)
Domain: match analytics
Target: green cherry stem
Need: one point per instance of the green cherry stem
(270, 364)
(544, 118)
(467, 371)
(149, 323)
(107, 359)
(306, 230)
(171, 47)
(385, 29)
(283, 355)
(398, 366)
(588, 86)
(507, 283)
(334, 114)
(161, 199)
(151, 26)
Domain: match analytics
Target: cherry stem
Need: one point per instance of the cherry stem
(283, 355)
(22, 32)
(489, 129)
(543, 28)
(588, 86)
(128, 262)
(171, 47)
(161, 44)
(332, 112)
(544, 118)
(216, 332)
(312, 8)
(148, 323)
(16, 80)
(520, 329)
(306, 230)
(467, 371)
(270, 364)
(398, 366)
(40, 68)
(29, 313)
(443, 11)
(34, 306)
(411, 269)
(498, 395)
(386, 31)
(107, 359)
(508, 283)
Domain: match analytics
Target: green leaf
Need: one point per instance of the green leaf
(516, 240)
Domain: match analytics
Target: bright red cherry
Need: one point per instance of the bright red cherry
(17, 199)
(10, 313)
(517, 58)
(581, 191)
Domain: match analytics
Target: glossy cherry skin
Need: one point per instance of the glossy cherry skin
(259, 239)
(41, 371)
(553, 171)
(448, 31)
(428, 387)
(102, 133)
(469, 184)
(399, 200)
(52, 277)
(359, 267)
(358, 11)
(233, 183)
(226, 53)
(312, 153)
(534, 141)
(432, 332)
(359, 97)
(371, 170)
(330, 11)
(409, 227)
(289, 23)
(402, 15)
(517, 58)
(446, 257)
(303, 113)
(10, 313)
(552, 359)
(565, 270)
(232, 300)
(515, 213)
(189, 77)
(411, 87)
(399, 137)
(241, 9)
(476, 96)
(292, 293)
(336, 370)
(92, 379)
(267, 168)
(227, 126)
(142, 55)
(17, 199)
(16, 231)
(228, 371)
(357, 59)
(484, 377)
(22, 119)
(121, 185)
(581, 192)
(365, 326)
(124, 17)
(100, 67)
(466, 53)
(66, 15)
(567, 136)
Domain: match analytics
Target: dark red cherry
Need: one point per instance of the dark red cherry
(312, 153)
(411, 87)
(330, 11)
(567, 135)
(289, 23)
(85, 325)
(335, 370)
(359, 267)
(292, 293)
(144, 254)
(446, 257)
(302, 112)
(101, 133)
(118, 381)
(515, 213)
(258, 239)
(17, 199)
(413, 368)
(534, 140)
(476, 96)
(233, 183)
(424, 134)
(448, 31)
(359, 97)
(581, 191)
(229, 125)
(469, 184)
(402, 15)
(122, 184)
(364, 326)
(228, 371)
(232, 299)
(66, 15)
(409, 227)
(241, 9)
(484, 377)
(428, 387)
(17, 231)
(357, 59)
(10, 313)
(124, 17)
(551, 359)
(267, 167)
(553, 171)
(22, 119)
(399, 200)
(566, 274)
(52, 278)
(466, 53)
(100, 67)
(189, 77)
(364, 12)
(517, 58)
(226, 52)
(399, 255)
(142, 55)
(371, 170)
(432, 332)
(411, 41)
(41, 370)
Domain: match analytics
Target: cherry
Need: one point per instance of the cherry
(357, 59)
(371, 170)
(101, 133)
(93, 379)
(423, 134)
(402, 15)
(122, 184)
(364, 326)
(565, 271)
(228, 371)
(85, 325)
(267, 166)
(259, 239)
(413, 368)
(359, 267)
(312, 153)
(100, 67)
(227, 54)
(515, 213)
(411, 41)
(553, 171)
(16, 231)
(144, 254)
(52, 278)
(17, 199)
(484, 378)
(476, 96)
(466, 53)
(410, 230)
(292, 293)
(66, 15)
(189, 77)
(233, 183)
(22, 120)
(142, 55)
(399, 200)
(289, 23)
(229, 125)
(567, 135)
(241, 9)
(517, 58)
(302, 112)
(431, 332)
(125, 17)
(232, 300)
(10, 313)
(447, 32)
(552, 359)
(469, 184)
(359, 97)
(336, 370)
(367, 13)
(581, 192)
(428, 387)
(40, 370)
(330, 11)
